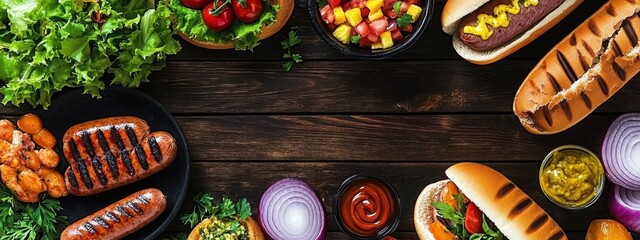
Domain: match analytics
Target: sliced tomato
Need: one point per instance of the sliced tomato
(378, 26)
(365, 43)
(363, 29)
(396, 36)
(372, 37)
(388, 4)
(333, 3)
(364, 12)
(407, 28)
(327, 14)
(440, 232)
(473, 219)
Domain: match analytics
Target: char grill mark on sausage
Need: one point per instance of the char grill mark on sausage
(84, 173)
(112, 217)
(616, 48)
(583, 63)
(137, 148)
(123, 150)
(97, 166)
(586, 100)
(558, 235)
(131, 205)
(521, 206)
(90, 228)
(72, 180)
(536, 224)
(155, 149)
(504, 190)
(102, 222)
(572, 40)
(144, 199)
(603, 85)
(123, 212)
(111, 160)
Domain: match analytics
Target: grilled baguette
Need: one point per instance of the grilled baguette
(582, 71)
(512, 211)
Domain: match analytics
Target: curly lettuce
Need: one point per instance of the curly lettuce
(244, 35)
(47, 45)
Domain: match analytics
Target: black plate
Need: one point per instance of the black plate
(74, 107)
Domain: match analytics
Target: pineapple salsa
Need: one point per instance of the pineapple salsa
(375, 24)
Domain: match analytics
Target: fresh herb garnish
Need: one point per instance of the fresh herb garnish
(205, 207)
(396, 7)
(29, 221)
(290, 58)
(404, 20)
(355, 39)
(177, 236)
(456, 218)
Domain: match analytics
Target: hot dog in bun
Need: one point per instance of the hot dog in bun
(486, 31)
(478, 202)
(584, 70)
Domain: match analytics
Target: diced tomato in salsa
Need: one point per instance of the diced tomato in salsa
(378, 26)
(365, 43)
(333, 3)
(396, 36)
(363, 29)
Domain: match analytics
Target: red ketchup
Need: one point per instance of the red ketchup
(367, 206)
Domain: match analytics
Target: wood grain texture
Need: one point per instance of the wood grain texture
(362, 87)
(250, 179)
(409, 138)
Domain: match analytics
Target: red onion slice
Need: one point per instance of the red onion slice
(624, 205)
(290, 209)
(621, 151)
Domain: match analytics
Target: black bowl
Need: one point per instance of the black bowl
(355, 51)
(74, 107)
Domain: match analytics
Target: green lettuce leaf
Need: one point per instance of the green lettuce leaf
(47, 45)
(244, 35)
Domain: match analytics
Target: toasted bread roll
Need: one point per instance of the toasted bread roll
(584, 70)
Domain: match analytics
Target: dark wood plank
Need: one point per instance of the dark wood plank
(433, 44)
(251, 179)
(362, 87)
(426, 138)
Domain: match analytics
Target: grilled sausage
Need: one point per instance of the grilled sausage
(120, 218)
(108, 153)
(518, 23)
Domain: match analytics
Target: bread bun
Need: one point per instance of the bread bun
(285, 11)
(455, 10)
(253, 229)
(582, 71)
(511, 210)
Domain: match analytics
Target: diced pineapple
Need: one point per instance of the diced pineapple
(343, 33)
(386, 40)
(414, 11)
(374, 5)
(338, 13)
(354, 17)
(376, 45)
(375, 15)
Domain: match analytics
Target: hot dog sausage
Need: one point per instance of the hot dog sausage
(518, 23)
(103, 157)
(120, 218)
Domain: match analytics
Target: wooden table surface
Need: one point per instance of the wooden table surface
(249, 124)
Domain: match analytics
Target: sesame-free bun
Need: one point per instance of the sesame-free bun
(286, 8)
(250, 224)
(513, 211)
(455, 10)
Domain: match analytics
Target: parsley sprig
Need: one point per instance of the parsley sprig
(29, 221)
(456, 218)
(289, 57)
(205, 207)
